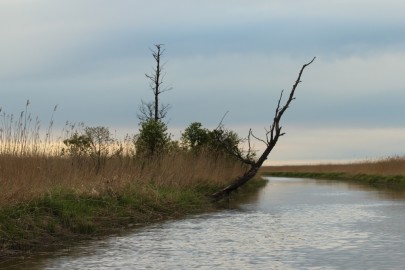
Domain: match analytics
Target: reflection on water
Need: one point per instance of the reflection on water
(293, 224)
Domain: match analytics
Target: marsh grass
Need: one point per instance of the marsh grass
(32, 164)
(46, 199)
(46, 195)
(385, 172)
(394, 165)
(24, 178)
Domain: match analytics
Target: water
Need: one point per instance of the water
(291, 224)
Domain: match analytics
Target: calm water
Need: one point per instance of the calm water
(290, 224)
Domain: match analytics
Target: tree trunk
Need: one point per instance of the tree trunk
(272, 137)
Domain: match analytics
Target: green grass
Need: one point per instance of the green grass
(62, 216)
(391, 181)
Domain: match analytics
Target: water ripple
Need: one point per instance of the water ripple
(339, 228)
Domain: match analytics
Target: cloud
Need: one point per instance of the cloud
(325, 145)
(90, 57)
(365, 91)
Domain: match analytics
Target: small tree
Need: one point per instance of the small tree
(222, 140)
(77, 145)
(152, 139)
(100, 141)
(195, 136)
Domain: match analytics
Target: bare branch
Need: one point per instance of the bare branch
(263, 141)
(146, 110)
(166, 89)
(221, 136)
(220, 125)
(163, 110)
(250, 147)
(272, 137)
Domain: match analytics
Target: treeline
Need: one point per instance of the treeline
(153, 139)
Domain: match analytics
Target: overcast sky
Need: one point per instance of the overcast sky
(90, 58)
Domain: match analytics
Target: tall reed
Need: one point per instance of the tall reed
(26, 178)
(33, 165)
(22, 136)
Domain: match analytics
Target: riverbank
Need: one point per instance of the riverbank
(39, 215)
(61, 217)
(394, 181)
(65, 215)
(388, 172)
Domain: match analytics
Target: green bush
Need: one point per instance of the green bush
(152, 139)
(217, 141)
(195, 136)
(77, 145)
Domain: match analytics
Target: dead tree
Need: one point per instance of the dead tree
(272, 136)
(153, 110)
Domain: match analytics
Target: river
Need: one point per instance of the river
(290, 224)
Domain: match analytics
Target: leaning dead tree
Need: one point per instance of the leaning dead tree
(272, 136)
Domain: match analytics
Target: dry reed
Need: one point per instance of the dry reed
(23, 178)
(385, 166)
(32, 165)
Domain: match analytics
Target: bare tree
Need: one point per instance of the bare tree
(154, 110)
(272, 136)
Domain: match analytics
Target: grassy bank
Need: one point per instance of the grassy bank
(46, 201)
(388, 172)
(86, 183)
(65, 215)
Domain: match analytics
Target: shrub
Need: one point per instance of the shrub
(195, 136)
(77, 145)
(152, 139)
(217, 141)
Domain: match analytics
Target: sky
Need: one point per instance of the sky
(90, 58)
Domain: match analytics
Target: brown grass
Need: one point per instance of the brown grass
(23, 178)
(49, 194)
(48, 199)
(32, 164)
(386, 166)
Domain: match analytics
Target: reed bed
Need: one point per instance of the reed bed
(388, 166)
(33, 164)
(49, 200)
(24, 178)
(48, 194)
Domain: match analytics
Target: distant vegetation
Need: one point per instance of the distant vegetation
(86, 181)
(89, 160)
(387, 172)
